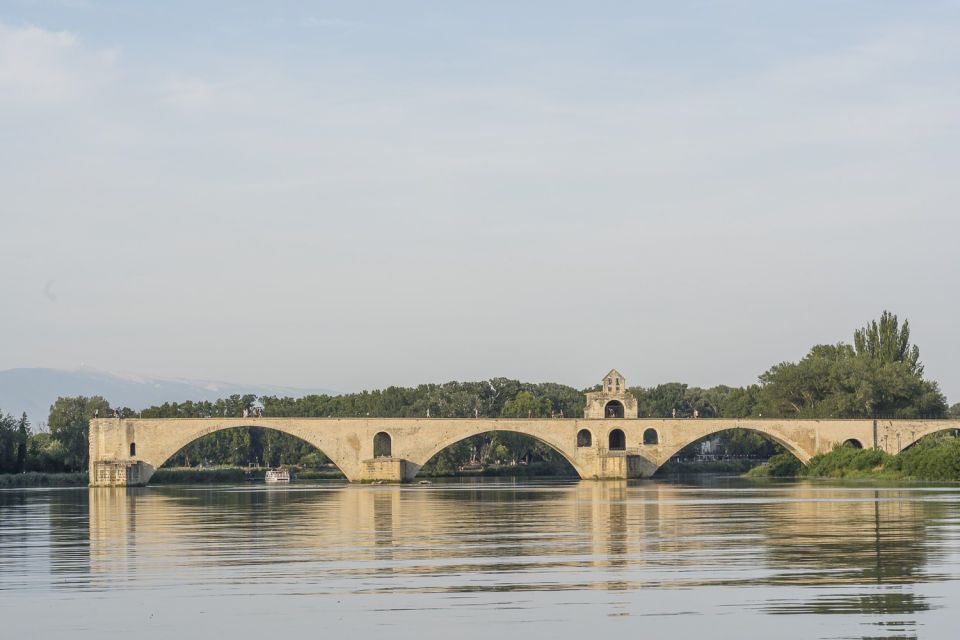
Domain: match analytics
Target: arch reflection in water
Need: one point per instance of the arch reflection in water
(484, 536)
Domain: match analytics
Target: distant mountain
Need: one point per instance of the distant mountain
(34, 390)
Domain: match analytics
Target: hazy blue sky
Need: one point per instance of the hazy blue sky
(356, 194)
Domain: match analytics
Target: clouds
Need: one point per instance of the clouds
(456, 186)
(40, 67)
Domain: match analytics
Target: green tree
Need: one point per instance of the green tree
(741, 402)
(45, 454)
(23, 437)
(887, 341)
(955, 411)
(526, 405)
(879, 376)
(70, 423)
(8, 443)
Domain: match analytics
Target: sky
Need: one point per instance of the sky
(352, 195)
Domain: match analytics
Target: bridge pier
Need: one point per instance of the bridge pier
(615, 465)
(120, 473)
(387, 470)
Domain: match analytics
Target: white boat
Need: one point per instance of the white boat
(277, 475)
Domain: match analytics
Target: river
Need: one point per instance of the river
(704, 557)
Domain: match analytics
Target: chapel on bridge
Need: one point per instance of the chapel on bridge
(613, 400)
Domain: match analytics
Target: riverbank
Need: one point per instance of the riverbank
(39, 479)
(932, 459)
(690, 467)
(232, 475)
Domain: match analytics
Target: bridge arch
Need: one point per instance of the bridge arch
(773, 434)
(650, 436)
(565, 451)
(156, 451)
(907, 439)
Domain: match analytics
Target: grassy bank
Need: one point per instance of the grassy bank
(231, 475)
(688, 467)
(37, 479)
(502, 471)
(217, 475)
(931, 459)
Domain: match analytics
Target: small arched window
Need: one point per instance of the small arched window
(382, 445)
(650, 437)
(584, 438)
(133, 449)
(617, 440)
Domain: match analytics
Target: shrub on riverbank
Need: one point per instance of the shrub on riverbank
(782, 465)
(848, 462)
(38, 479)
(540, 468)
(933, 458)
(320, 474)
(219, 475)
(736, 465)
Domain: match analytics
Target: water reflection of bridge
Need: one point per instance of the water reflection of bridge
(606, 535)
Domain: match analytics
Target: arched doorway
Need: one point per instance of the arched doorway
(650, 437)
(382, 445)
(584, 438)
(613, 409)
(617, 440)
(854, 443)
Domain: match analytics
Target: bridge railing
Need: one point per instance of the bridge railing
(632, 451)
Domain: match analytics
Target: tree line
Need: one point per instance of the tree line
(878, 375)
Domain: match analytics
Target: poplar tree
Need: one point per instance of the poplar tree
(887, 341)
(23, 435)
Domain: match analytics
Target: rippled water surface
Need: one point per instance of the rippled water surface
(721, 558)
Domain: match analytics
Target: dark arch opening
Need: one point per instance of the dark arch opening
(930, 438)
(733, 451)
(498, 453)
(382, 445)
(617, 441)
(854, 443)
(650, 436)
(239, 448)
(133, 449)
(584, 438)
(613, 409)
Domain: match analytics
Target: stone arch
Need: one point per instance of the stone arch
(650, 436)
(616, 440)
(613, 409)
(915, 436)
(584, 438)
(167, 445)
(419, 459)
(382, 445)
(794, 448)
(853, 442)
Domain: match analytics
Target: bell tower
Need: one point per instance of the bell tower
(613, 400)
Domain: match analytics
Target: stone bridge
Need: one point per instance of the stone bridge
(128, 451)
